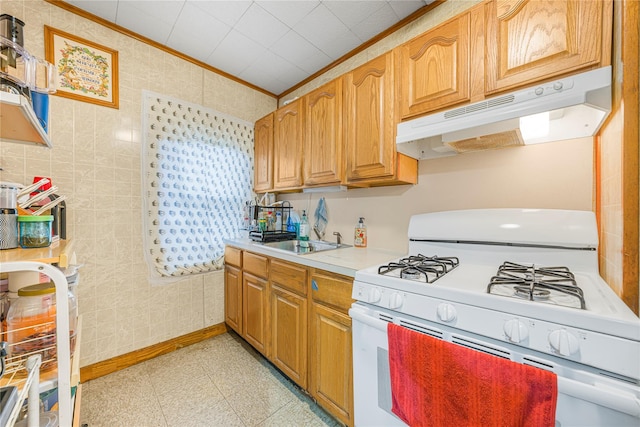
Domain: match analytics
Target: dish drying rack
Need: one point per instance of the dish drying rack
(23, 371)
(259, 235)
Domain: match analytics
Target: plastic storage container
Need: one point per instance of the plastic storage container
(35, 231)
(31, 323)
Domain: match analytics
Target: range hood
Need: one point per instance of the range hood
(572, 107)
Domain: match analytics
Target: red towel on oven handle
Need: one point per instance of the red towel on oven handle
(437, 383)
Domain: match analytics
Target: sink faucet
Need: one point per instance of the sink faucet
(338, 237)
(319, 233)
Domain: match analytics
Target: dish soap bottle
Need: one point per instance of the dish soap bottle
(360, 236)
(304, 227)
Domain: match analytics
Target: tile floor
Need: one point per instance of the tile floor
(218, 382)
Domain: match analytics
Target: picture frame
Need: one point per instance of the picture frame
(86, 71)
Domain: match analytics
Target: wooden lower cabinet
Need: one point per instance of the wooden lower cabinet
(289, 334)
(233, 297)
(254, 311)
(330, 360)
(297, 317)
(330, 348)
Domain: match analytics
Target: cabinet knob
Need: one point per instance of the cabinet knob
(314, 285)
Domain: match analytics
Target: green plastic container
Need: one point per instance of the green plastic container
(35, 231)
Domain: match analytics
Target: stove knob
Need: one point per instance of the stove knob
(395, 301)
(516, 331)
(375, 295)
(563, 342)
(446, 312)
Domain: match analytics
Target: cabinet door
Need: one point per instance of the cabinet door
(528, 41)
(254, 311)
(233, 298)
(369, 120)
(433, 69)
(330, 369)
(289, 334)
(287, 151)
(263, 154)
(323, 161)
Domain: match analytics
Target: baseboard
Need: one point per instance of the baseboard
(123, 361)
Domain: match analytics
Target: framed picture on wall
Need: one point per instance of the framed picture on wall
(87, 71)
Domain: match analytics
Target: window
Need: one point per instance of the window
(197, 176)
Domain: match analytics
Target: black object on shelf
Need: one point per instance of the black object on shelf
(271, 236)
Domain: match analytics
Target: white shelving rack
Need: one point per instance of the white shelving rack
(63, 378)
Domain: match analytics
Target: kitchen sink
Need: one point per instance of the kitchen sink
(305, 247)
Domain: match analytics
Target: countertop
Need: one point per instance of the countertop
(345, 261)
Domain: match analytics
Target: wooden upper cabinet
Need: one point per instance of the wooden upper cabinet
(263, 154)
(369, 120)
(323, 148)
(531, 40)
(433, 68)
(287, 150)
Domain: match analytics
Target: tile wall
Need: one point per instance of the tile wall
(95, 161)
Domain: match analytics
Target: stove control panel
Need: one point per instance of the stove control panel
(578, 345)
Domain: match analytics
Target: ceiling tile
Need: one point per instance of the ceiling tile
(226, 58)
(384, 18)
(289, 12)
(261, 26)
(104, 9)
(319, 25)
(300, 52)
(404, 8)
(339, 44)
(228, 12)
(154, 25)
(199, 28)
(353, 12)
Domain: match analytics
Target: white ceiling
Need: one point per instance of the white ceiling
(271, 44)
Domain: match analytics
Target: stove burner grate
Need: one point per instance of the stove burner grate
(556, 285)
(420, 267)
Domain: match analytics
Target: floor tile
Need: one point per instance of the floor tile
(218, 382)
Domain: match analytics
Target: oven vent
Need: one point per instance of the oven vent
(619, 377)
(384, 317)
(481, 347)
(537, 364)
(422, 329)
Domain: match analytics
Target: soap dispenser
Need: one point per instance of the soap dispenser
(360, 236)
(304, 227)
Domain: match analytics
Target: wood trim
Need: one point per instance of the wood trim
(76, 406)
(117, 28)
(630, 174)
(123, 361)
(415, 15)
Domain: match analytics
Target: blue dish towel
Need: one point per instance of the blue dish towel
(321, 216)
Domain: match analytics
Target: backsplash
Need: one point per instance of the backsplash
(557, 175)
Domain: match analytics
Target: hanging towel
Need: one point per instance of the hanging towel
(321, 216)
(437, 383)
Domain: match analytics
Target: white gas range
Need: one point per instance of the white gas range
(520, 284)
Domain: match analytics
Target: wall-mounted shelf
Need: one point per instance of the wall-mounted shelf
(19, 122)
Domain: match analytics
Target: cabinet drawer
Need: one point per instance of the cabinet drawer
(332, 289)
(255, 264)
(233, 256)
(289, 276)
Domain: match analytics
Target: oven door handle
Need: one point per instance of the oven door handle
(355, 312)
(617, 400)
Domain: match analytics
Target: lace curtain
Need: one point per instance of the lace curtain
(197, 167)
